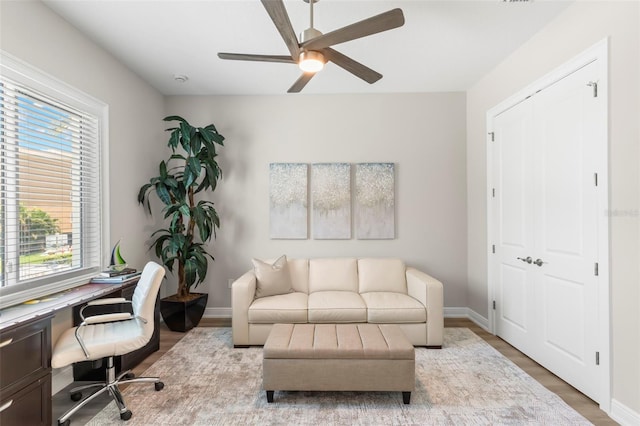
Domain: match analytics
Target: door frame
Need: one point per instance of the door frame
(599, 53)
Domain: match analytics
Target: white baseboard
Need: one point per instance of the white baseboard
(623, 414)
(453, 312)
(479, 319)
(217, 313)
(61, 378)
(456, 312)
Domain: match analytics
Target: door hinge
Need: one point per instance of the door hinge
(594, 84)
(493, 248)
(493, 136)
(494, 305)
(595, 179)
(597, 358)
(493, 192)
(595, 269)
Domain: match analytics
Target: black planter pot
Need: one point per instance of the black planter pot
(183, 316)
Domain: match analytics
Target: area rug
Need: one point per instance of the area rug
(467, 382)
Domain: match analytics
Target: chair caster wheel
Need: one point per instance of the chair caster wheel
(129, 376)
(159, 386)
(65, 423)
(126, 415)
(76, 396)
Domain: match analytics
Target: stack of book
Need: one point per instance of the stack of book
(116, 276)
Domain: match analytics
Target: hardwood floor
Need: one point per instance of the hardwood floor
(579, 402)
(585, 406)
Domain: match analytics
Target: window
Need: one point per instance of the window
(50, 184)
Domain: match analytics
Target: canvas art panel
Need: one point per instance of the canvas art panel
(375, 201)
(288, 200)
(331, 200)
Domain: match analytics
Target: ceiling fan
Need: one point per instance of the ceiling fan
(314, 50)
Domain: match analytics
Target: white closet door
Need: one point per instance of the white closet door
(545, 219)
(566, 227)
(513, 222)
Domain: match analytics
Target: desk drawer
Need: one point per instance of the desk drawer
(29, 406)
(25, 352)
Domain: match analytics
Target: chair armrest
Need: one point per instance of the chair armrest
(108, 301)
(428, 291)
(103, 302)
(243, 291)
(102, 318)
(99, 319)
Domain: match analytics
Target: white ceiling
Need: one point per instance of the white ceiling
(443, 46)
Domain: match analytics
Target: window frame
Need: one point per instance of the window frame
(23, 73)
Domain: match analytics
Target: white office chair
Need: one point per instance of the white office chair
(109, 335)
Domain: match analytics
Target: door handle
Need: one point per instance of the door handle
(527, 259)
(538, 262)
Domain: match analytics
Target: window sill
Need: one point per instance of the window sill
(12, 298)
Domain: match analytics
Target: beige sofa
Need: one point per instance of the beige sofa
(335, 291)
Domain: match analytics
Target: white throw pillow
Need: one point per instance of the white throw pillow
(272, 279)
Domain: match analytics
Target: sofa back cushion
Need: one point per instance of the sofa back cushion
(333, 274)
(382, 275)
(299, 270)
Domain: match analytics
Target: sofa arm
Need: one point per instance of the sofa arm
(428, 291)
(243, 291)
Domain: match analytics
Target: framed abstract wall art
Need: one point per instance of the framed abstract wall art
(374, 201)
(288, 200)
(331, 200)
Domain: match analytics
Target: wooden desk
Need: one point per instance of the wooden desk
(25, 372)
(25, 351)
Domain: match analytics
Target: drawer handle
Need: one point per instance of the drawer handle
(6, 405)
(5, 343)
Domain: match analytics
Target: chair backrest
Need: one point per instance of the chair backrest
(144, 297)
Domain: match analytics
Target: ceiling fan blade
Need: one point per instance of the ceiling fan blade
(376, 24)
(354, 67)
(257, 58)
(301, 82)
(280, 17)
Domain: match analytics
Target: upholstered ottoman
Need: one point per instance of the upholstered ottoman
(338, 357)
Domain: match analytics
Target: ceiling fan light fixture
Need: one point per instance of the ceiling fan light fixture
(311, 61)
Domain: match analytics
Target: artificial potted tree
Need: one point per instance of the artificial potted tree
(192, 169)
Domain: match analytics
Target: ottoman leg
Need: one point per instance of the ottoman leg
(406, 397)
(270, 396)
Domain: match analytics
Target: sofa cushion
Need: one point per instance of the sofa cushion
(382, 275)
(299, 270)
(272, 278)
(333, 275)
(393, 308)
(283, 308)
(336, 307)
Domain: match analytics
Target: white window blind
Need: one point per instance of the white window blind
(50, 183)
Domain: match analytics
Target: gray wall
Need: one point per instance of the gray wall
(582, 25)
(423, 134)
